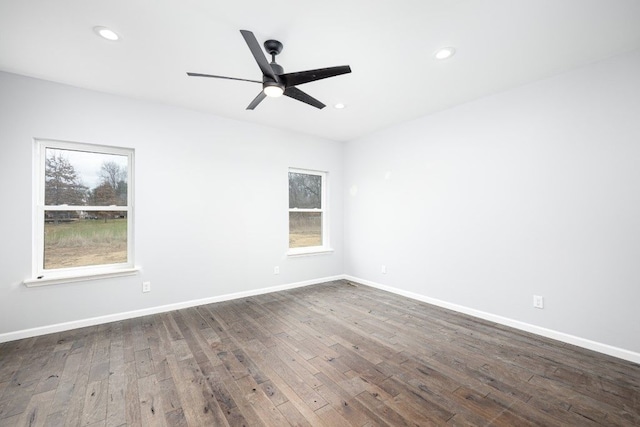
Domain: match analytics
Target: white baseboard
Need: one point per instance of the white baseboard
(59, 327)
(549, 333)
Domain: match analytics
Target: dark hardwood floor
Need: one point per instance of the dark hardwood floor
(331, 354)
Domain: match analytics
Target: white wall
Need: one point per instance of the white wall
(211, 202)
(532, 191)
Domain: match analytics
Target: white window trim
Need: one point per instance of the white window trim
(325, 248)
(40, 276)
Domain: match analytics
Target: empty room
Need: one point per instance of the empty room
(337, 213)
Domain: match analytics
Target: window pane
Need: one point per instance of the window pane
(305, 191)
(305, 229)
(80, 178)
(80, 238)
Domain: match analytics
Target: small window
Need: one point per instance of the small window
(308, 230)
(83, 209)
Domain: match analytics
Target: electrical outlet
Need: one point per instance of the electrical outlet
(276, 270)
(383, 270)
(538, 301)
(146, 286)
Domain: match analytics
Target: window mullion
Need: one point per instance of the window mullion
(111, 208)
(305, 209)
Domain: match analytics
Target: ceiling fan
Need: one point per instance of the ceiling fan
(274, 80)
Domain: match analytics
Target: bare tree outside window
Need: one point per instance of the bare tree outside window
(115, 176)
(62, 183)
(305, 191)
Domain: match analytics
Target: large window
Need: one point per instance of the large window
(308, 230)
(83, 210)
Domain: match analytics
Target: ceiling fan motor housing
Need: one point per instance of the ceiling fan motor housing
(277, 68)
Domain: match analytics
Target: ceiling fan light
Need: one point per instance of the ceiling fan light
(273, 91)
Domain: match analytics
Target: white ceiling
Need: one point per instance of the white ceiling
(388, 44)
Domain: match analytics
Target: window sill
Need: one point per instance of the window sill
(309, 251)
(55, 280)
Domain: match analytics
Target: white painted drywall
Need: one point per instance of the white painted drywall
(532, 191)
(211, 202)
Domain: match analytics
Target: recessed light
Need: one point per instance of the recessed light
(444, 53)
(106, 33)
(339, 106)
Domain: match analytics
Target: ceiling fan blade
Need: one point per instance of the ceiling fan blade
(257, 100)
(258, 54)
(221, 77)
(301, 77)
(295, 93)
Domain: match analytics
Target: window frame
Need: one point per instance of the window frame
(324, 215)
(42, 276)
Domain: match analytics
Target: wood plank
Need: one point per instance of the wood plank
(352, 411)
(261, 404)
(144, 364)
(78, 391)
(197, 410)
(131, 395)
(37, 411)
(301, 385)
(152, 410)
(292, 415)
(116, 404)
(232, 399)
(95, 403)
(272, 367)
